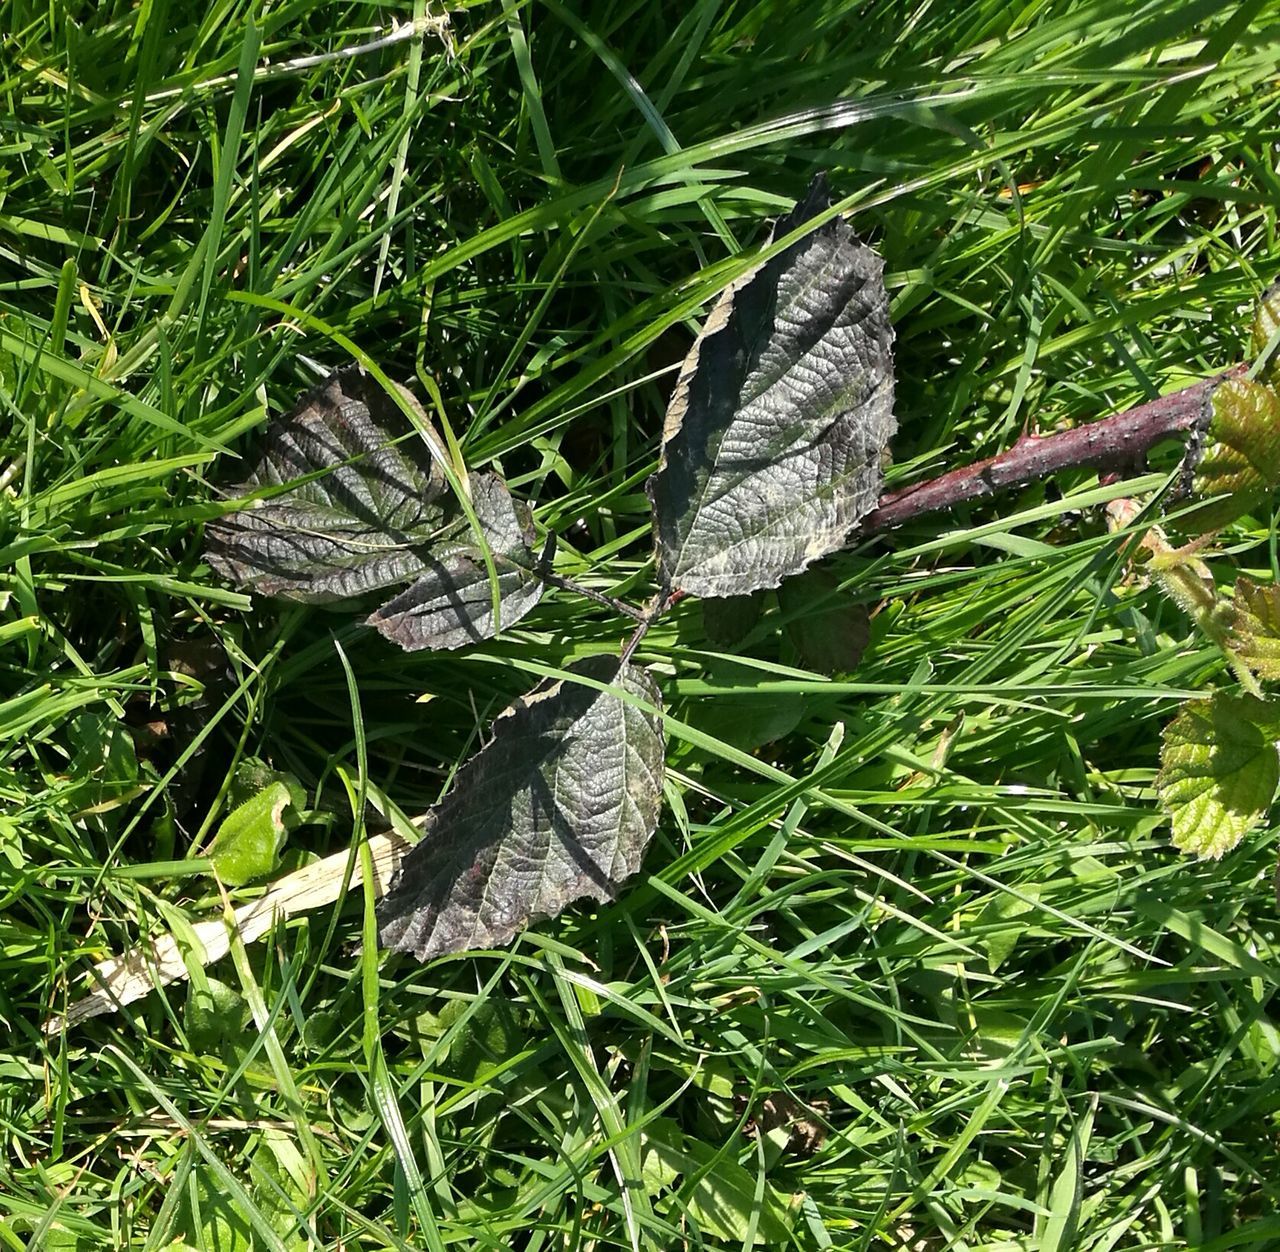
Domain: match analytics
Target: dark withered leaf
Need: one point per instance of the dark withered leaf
(773, 441)
(451, 604)
(728, 620)
(560, 805)
(362, 498)
(362, 504)
(828, 630)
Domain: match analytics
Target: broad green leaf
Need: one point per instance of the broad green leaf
(104, 767)
(248, 842)
(214, 1014)
(718, 1193)
(560, 805)
(828, 630)
(348, 499)
(1266, 328)
(1253, 627)
(1241, 459)
(772, 447)
(281, 1182)
(1005, 907)
(211, 1220)
(1218, 771)
(451, 604)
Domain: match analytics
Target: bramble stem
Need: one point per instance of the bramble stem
(1119, 443)
(598, 597)
(652, 611)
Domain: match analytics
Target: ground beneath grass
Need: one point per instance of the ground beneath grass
(911, 962)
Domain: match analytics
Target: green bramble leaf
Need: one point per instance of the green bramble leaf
(266, 805)
(1241, 460)
(1219, 769)
(772, 447)
(349, 498)
(1264, 339)
(1253, 627)
(560, 805)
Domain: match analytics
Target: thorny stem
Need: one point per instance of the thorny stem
(650, 614)
(598, 597)
(1119, 443)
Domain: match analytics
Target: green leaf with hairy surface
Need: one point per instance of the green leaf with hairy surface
(828, 630)
(1241, 459)
(1266, 329)
(266, 805)
(772, 447)
(1253, 627)
(560, 805)
(348, 499)
(1218, 771)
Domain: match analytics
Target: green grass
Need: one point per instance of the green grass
(931, 909)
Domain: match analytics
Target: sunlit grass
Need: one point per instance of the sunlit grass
(930, 911)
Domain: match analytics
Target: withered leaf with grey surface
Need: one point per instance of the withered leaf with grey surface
(350, 499)
(773, 441)
(451, 603)
(560, 805)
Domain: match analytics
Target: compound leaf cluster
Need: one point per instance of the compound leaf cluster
(771, 454)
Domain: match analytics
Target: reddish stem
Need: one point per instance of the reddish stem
(1118, 444)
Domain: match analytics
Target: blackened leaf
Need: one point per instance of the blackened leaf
(362, 505)
(773, 441)
(828, 630)
(730, 619)
(451, 604)
(561, 804)
(362, 498)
